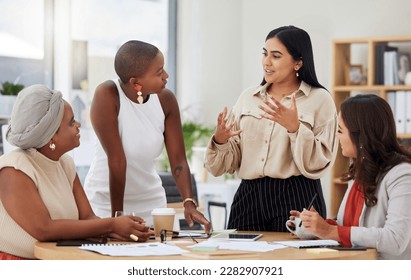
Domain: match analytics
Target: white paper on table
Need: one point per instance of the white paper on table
(134, 250)
(308, 243)
(254, 246)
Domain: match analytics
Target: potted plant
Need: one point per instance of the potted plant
(196, 136)
(8, 94)
(8, 88)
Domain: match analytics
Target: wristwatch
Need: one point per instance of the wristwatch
(190, 199)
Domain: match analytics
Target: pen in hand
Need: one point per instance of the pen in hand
(309, 206)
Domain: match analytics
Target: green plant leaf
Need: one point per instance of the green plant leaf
(195, 134)
(10, 88)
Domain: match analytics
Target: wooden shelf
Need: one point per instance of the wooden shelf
(343, 52)
(404, 136)
(373, 40)
(371, 88)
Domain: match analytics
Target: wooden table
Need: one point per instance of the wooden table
(49, 251)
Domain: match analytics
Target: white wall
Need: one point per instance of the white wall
(208, 56)
(220, 42)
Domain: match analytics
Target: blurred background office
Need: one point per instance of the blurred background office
(212, 48)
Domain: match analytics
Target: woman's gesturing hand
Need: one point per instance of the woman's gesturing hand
(286, 117)
(225, 123)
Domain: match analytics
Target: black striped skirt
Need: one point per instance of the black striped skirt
(264, 204)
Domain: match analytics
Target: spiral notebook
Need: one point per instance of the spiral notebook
(134, 249)
(80, 242)
(308, 243)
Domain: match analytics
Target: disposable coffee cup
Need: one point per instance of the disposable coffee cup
(163, 219)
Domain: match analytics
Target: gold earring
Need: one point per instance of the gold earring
(52, 146)
(140, 98)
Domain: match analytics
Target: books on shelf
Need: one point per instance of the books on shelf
(407, 112)
(386, 65)
(391, 100)
(400, 111)
(399, 102)
(391, 68)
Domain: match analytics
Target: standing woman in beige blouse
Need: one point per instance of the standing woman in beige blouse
(280, 137)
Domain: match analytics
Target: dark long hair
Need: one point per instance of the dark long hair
(298, 44)
(371, 124)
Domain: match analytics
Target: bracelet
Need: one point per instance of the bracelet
(190, 199)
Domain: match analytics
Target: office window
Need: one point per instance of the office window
(109, 24)
(88, 35)
(71, 44)
(22, 42)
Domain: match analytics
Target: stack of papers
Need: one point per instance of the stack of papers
(135, 250)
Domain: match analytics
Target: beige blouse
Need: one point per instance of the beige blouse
(265, 148)
(54, 181)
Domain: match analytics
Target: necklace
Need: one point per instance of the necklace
(283, 95)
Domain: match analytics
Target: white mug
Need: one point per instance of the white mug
(299, 229)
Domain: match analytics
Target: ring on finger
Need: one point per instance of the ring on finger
(134, 237)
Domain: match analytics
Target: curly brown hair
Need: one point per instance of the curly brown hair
(371, 124)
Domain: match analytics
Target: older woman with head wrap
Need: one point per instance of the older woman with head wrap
(41, 197)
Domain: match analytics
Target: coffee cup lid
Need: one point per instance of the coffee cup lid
(163, 211)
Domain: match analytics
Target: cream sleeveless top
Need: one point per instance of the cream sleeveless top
(54, 181)
(141, 128)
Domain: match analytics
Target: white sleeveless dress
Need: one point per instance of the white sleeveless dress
(141, 128)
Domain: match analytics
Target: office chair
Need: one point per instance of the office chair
(173, 195)
(218, 204)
